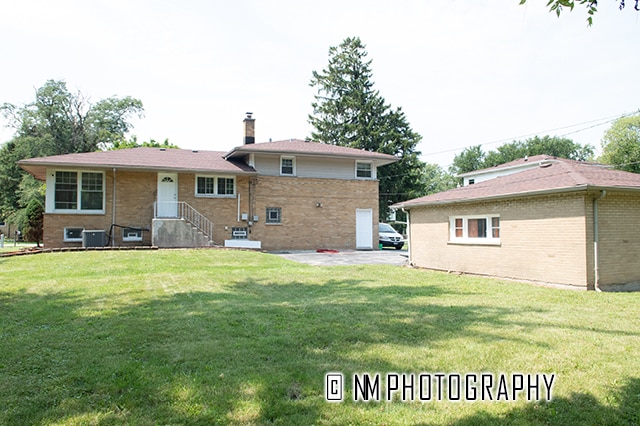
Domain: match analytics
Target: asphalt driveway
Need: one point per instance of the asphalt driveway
(349, 257)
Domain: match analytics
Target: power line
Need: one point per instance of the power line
(608, 120)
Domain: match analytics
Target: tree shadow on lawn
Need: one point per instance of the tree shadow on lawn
(250, 352)
(578, 409)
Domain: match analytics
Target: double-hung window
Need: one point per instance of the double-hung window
(364, 170)
(480, 229)
(77, 192)
(287, 166)
(215, 186)
(91, 191)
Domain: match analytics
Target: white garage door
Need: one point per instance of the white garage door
(364, 229)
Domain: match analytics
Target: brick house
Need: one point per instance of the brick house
(558, 222)
(279, 195)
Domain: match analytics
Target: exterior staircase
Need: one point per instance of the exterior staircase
(188, 228)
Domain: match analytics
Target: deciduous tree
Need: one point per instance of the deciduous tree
(474, 158)
(56, 122)
(558, 6)
(621, 144)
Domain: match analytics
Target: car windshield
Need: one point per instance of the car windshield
(383, 227)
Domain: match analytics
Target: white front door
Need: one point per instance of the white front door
(167, 195)
(364, 229)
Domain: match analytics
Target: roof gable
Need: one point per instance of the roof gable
(526, 162)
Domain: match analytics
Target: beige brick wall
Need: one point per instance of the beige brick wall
(619, 238)
(136, 192)
(541, 239)
(222, 212)
(305, 226)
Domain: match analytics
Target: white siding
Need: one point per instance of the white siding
(308, 167)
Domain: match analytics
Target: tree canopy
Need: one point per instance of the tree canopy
(348, 111)
(591, 6)
(621, 144)
(56, 122)
(133, 143)
(474, 158)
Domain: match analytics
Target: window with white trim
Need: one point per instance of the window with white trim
(72, 235)
(274, 215)
(131, 234)
(78, 191)
(215, 186)
(478, 229)
(364, 170)
(288, 166)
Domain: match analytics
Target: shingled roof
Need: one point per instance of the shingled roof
(300, 147)
(184, 160)
(152, 159)
(556, 175)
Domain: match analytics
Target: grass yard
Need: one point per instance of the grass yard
(232, 337)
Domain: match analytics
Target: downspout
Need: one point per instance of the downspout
(408, 229)
(596, 261)
(113, 207)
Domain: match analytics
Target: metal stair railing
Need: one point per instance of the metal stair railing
(189, 214)
(197, 219)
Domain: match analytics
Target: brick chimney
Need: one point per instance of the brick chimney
(249, 129)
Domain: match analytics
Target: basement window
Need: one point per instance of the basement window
(73, 235)
(239, 233)
(131, 234)
(274, 215)
(480, 229)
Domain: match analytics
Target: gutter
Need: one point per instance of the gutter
(408, 229)
(596, 261)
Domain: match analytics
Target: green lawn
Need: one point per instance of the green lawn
(232, 337)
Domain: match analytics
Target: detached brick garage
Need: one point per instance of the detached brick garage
(558, 222)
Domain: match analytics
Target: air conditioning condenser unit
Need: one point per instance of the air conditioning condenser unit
(94, 238)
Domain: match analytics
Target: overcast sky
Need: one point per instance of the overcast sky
(465, 72)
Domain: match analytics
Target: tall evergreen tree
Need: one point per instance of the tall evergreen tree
(348, 111)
